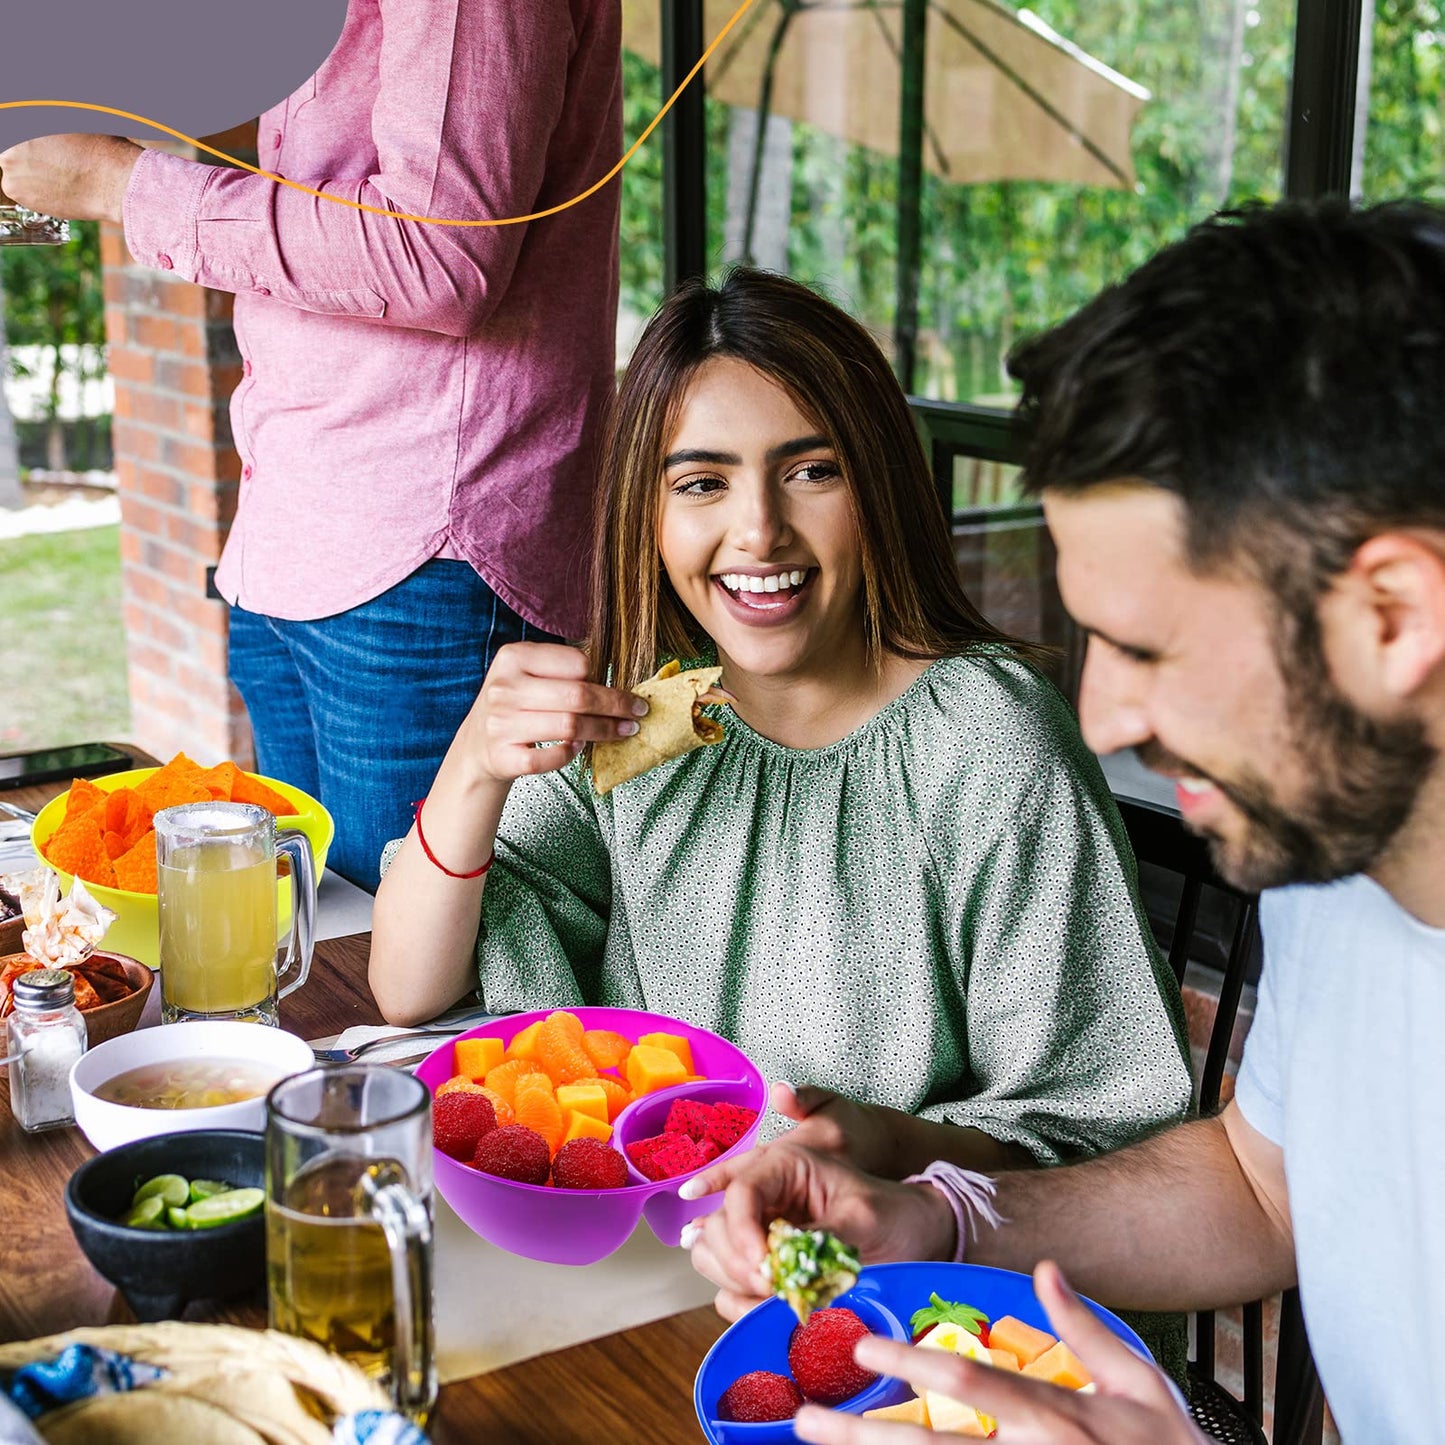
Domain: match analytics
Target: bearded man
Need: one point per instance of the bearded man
(1241, 455)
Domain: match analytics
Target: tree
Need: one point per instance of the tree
(54, 300)
(9, 455)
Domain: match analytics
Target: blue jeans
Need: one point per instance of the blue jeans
(359, 709)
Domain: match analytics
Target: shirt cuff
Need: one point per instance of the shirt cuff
(161, 209)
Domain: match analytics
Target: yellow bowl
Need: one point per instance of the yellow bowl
(136, 930)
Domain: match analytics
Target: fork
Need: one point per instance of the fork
(22, 815)
(349, 1056)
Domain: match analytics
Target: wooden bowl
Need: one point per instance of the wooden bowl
(110, 1020)
(10, 931)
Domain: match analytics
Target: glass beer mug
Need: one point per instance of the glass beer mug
(20, 226)
(349, 1222)
(216, 889)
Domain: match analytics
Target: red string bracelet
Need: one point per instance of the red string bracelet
(421, 838)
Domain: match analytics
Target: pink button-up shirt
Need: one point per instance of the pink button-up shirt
(413, 391)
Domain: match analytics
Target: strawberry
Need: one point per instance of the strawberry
(820, 1356)
(936, 1311)
(514, 1152)
(459, 1121)
(757, 1396)
(589, 1164)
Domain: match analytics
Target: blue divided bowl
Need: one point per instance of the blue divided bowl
(884, 1298)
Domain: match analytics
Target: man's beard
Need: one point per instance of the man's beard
(1362, 778)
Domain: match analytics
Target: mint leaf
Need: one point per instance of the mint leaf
(938, 1312)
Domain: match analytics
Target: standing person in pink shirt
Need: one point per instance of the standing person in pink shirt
(417, 417)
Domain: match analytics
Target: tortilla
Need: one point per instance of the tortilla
(674, 725)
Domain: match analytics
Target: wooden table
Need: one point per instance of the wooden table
(635, 1386)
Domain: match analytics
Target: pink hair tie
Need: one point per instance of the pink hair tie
(970, 1197)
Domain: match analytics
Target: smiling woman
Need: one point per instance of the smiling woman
(898, 878)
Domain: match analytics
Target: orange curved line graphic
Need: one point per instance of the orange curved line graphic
(382, 210)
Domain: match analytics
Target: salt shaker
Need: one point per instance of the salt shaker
(45, 1035)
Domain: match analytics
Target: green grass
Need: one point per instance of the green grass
(62, 664)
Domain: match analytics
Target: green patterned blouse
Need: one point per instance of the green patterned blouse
(936, 913)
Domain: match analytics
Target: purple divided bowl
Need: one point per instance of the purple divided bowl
(581, 1226)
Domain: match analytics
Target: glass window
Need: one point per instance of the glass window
(1049, 171)
(1399, 140)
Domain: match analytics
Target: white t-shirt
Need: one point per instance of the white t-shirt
(1344, 1069)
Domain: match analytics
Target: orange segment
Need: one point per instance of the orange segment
(536, 1108)
(560, 1051)
(606, 1048)
(503, 1079)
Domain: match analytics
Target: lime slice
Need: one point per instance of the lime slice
(170, 1189)
(224, 1208)
(177, 1218)
(149, 1213)
(204, 1188)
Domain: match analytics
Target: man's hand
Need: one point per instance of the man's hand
(827, 1123)
(78, 177)
(1133, 1404)
(880, 1219)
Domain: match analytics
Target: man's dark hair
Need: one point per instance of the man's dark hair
(1281, 370)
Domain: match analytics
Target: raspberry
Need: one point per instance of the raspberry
(589, 1164)
(820, 1355)
(459, 1120)
(759, 1395)
(729, 1123)
(688, 1116)
(513, 1153)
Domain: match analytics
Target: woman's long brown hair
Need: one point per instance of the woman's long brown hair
(835, 373)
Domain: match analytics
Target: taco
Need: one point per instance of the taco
(675, 724)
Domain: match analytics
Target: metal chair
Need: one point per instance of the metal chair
(1160, 839)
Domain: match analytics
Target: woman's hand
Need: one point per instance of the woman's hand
(863, 1135)
(880, 1219)
(538, 692)
(1132, 1405)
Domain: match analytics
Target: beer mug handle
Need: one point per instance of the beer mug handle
(297, 847)
(406, 1223)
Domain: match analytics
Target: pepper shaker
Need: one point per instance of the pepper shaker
(45, 1035)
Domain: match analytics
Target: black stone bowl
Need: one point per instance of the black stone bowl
(161, 1271)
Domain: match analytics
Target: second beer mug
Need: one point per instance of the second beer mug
(217, 894)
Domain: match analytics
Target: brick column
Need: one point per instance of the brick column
(173, 357)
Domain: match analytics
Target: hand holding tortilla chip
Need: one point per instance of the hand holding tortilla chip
(674, 725)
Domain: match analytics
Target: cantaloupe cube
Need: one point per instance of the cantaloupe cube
(1022, 1341)
(584, 1098)
(524, 1044)
(584, 1126)
(1060, 1366)
(650, 1068)
(475, 1056)
(674, 1043)
(1004, 1360)
(909, 1412)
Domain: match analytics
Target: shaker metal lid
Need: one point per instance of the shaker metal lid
(44, 986)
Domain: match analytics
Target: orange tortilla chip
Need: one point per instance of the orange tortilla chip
(135, 871)
(115, 845)
(253, 790)
(184, 767)
(221, 780)
(78, 847)
(170, 789)
(126, 815)
(83, 796)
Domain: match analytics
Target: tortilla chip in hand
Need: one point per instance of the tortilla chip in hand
(675, 724)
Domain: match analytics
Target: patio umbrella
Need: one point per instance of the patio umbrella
(968, 89)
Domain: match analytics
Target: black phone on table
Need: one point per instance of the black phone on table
(58, 765)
